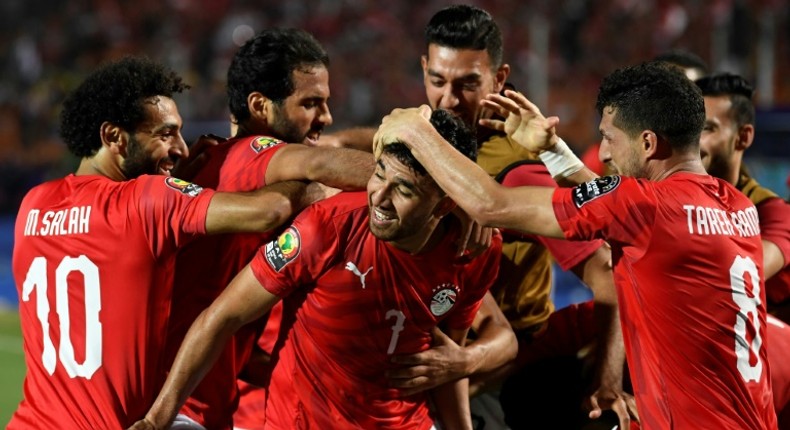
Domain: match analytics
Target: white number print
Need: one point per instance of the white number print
(36, 280)
(400, 318)
(747, 313)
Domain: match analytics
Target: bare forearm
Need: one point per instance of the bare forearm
(452, 404)
(360, 138)
(200, 349)
(260, 210)
(495, 345)
(346, 169)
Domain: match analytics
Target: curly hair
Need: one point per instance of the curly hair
(451, 128)
(466, 27)
(114, 93)
(266, 64)
(654, 96)
(738, 89)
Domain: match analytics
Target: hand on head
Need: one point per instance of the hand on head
(398, 125)
(523, 121)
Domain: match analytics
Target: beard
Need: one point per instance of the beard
(286, 130)
(137, 162)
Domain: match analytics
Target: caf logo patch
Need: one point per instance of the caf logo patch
(261, 143)
(596, 188)
(443, 299)
(284, 249)
(183, 187)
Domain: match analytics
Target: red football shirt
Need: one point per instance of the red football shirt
(207, 265)
(775, 227)
(93, 261)
(352, 302)
(688, 268)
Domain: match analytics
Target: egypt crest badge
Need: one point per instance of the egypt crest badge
(444, 297)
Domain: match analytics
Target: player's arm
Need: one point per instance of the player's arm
(243, 301)
(773, 259)
(606, 389)
(527, 209)
(343, 168)
(360, 138)
(263, 209)
(452, 399)
(494, 346)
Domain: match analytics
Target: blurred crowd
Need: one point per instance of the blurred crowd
(558, 49)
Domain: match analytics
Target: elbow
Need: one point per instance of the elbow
(277, 212)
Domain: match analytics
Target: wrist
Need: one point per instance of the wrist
(560, 159)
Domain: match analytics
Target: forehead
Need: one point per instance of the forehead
(160, 111)
(452, 62)
(397, 171)
(312, 82)
(607, 119)
(717, 106)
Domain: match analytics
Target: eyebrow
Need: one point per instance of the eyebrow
(165, 127)
(469, 77)
(400, 181)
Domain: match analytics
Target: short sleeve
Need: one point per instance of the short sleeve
(615, 208)
(173, 211)
(299, 255)
(775, 224)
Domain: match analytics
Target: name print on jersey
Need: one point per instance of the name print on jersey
(75, 220)
(709, 221)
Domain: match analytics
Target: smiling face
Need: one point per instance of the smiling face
(302, 116)
(458, 79)
(157, 143)
(619, 151)
(404, 206)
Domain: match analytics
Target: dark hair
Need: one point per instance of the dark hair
(657, 97)
(683, 59)
(466, 27)
(737, 88)
(451, 128)
(266, 64)
(114, 93)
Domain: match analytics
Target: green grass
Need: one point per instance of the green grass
(12, 364)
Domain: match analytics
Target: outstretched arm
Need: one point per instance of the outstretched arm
(244, 300)
(527, 209)
(347, 169)
(360, 138)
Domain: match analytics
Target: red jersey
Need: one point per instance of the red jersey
(93, 262)
(206, 266)
(775, 227)
(687, 262)
(352, 302)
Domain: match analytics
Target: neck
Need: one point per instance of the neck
(424, 241)
(100, 164)
(689, 163)
(247, 129)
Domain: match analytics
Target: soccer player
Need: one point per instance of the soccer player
(94, 251)
(463, 64)
(364, 277)
(728, 132)
(686, 246)
(278, 89)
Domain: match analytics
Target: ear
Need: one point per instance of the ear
(444, 207)
(424, 64)
(649, 144)
(114, 138)
(259, 106)
(500, 77)
(745, 137)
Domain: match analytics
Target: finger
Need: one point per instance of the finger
(439, 337)
(552, 122)
(630, 401)
(425, 111)
(620, 407)
(522, 101)
(466, 234)
(405, 373)
(417, 383)
(595, 410)
(493, 124)
(502, 106)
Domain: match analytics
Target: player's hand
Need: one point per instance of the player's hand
(443, 363)
(523, 121)
(187, 168)
(399, 125)
(317, 191)
(620, 402)
(474, 238)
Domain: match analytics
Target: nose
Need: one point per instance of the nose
(604, 152)
(380, 196)
(449, 99)
(325, 117)
(180, 147)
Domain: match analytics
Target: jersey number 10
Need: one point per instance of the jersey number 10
(36, 279)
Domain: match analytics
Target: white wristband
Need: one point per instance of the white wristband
(560, 160)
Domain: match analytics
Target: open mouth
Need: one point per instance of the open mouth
(382, 217)
(165, 166)
(311, 138)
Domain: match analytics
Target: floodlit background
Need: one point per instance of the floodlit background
(558, 49)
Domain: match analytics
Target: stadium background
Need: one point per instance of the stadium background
(558, 49)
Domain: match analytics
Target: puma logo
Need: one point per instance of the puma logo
(353, 269)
